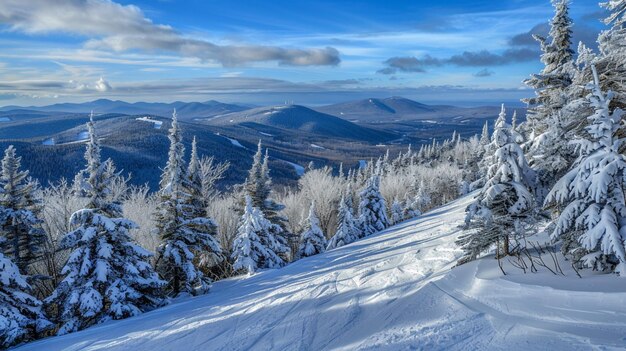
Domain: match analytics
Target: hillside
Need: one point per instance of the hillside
(399, 109)
(396, 290)
(301, 119)
(186, 110)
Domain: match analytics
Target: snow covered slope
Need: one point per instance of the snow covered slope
(392, 291)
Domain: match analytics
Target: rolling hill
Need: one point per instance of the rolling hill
(301, 119)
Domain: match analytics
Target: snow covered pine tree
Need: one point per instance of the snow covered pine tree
(593, 224)
(505, 201)
(183, 235)
(250, 249)
(21, 318)
(312, 240)
(372, 208)
(20, 225)
(347, 227)
(107, 275)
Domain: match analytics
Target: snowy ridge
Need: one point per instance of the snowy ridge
(395, 290)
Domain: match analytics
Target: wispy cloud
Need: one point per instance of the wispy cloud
(466, 59)
(120, 28)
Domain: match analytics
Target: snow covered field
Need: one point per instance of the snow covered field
(393, 291)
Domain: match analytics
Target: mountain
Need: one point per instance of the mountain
(396, 290)
(300, 119)
(399, 109)
(185, 110)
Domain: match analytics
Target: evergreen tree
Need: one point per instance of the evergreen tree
(312, 240)
(347, 226)
(20, 225)
(592, 225)
(250, 247)
(107, 275)
(547, 151)
(21, 318)
(501, 208)
(183, 235)
(613, 53)
(196, 210)
(372, 208)
(397, 212)
(258, 186)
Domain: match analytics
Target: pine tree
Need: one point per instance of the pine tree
(372, 208)
(20, 226)
(613, 53)
(347, 226)
(547, 151)
(258, 186)
(312, 240)
(397, 212)
(592, 225)
(252, 247)
(505, 202)
(107, 275)
(21, 318)
(196, 210)
(182, 234)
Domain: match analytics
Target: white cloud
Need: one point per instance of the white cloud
(102, 85)
(116, 27)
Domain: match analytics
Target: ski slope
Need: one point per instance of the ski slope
(396, 290)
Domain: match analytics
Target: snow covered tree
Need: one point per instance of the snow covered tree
(347, 227)
(182, 234)
(196, 209)
(397, 210)
(372, 208)
(592, 225)
(107, 276)
(547, 151)
(312, 240)
(252, 248)
(21, 227)
(610, 62)
(258, 186)
(21, 318)
(505, 202)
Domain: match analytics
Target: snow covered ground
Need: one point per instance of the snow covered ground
(396, 290)
(157, 124)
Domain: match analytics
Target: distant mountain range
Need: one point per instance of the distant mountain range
(300, 119)
(398, 109)
(185, 110)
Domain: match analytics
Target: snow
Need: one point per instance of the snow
(5, 119)
(157, 124)
(235, 142)
(318, 147)
(396, 290)
(82, 136)
(49, 141)
(299, 169)
(266, 134)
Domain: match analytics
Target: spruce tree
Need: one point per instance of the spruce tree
(21, 318)
(258, 186)
(21, 226)
(547, 151)
(610, 62)
(107, 276)
(347, 226)
(196, 209)
(182, 234)
(593, 221)
(251, 251)
(312, 240)
(397, 212)
(504, 204)
(372, 208)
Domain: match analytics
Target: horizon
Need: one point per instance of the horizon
(457, 53)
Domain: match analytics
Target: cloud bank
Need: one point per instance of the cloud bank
(122, 28)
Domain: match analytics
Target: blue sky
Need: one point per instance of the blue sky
(266, 52)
